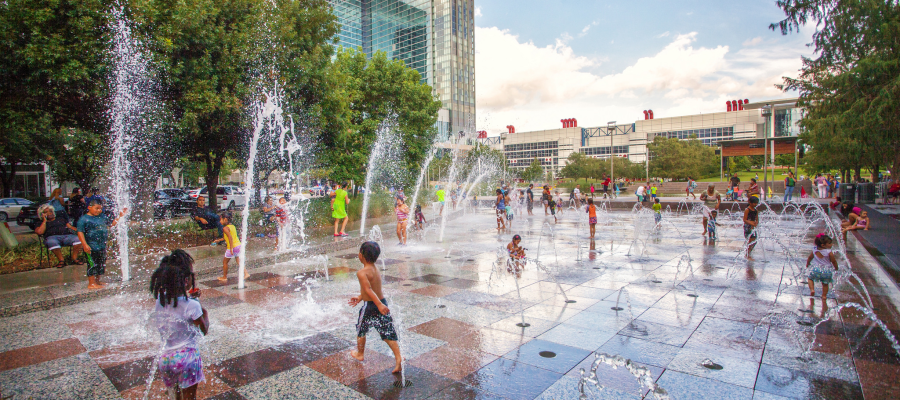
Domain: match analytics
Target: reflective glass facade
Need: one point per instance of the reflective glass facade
(709, 137)
(435, 37)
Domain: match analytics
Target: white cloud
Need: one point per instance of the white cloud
(662, 35)
(533, 87)
(752, 42)
(478, 11)
(585, 30)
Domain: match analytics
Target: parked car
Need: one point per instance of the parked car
(11, 206)
(167, 203)
(317, 191)
(227, 196)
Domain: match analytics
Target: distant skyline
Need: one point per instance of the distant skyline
(537, 61)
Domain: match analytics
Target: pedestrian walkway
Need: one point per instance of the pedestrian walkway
(883, 237)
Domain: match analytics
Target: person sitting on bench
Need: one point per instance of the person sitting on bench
(207, 219)
(58, 232)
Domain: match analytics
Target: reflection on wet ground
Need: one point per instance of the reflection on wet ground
(704, 323)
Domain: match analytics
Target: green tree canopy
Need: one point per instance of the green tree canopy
(213, 57)
(366, 92)
(534, 171)
(679, 159)
(851, 88)
(52, 78)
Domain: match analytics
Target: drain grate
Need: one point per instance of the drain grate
(407, 284)
(547, 354)
(408, 383)
(693, 295)
(523, 324)
(616, 308)
(656, 281)
(441, 306)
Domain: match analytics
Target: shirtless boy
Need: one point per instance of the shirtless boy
(374, 312)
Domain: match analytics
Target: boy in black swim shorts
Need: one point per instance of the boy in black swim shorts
(374, 312)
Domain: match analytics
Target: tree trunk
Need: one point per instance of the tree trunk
(857, 173)
(8, 178)
(895, 171)
(213, 166)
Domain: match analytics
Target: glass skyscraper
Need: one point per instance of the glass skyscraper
(435, 37)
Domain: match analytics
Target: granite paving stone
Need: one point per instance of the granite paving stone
(685, 386)
(511, 379)
(804, 385)
(289, 333)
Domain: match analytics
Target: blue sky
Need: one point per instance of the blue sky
(540, 61)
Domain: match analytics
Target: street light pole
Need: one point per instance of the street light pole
(611, 129)
(766, 112)
(647, 157)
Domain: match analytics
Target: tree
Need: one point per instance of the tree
(851, 89)
(212, 56)
(533, 172)
(52, 78)
(742, 163)
(83, 159)
(365, 94)
(578, 166)
(680, 159)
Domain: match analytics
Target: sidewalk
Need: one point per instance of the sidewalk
(883, 237)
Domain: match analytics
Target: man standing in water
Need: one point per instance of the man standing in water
(530, 198)
(339, 201)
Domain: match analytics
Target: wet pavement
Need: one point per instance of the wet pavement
(669, 300)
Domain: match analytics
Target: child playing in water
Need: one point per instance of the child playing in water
(751, 220)
(93, 232)
(711, 225)
(180, 319)
(232, 243)
(592, 215)
(821, 269)
(509, 208)
(402, 211)
(281, 219)
(501, 210)
(516, 253)
(862, 222)
(657, 211)
(552, 204)
(420, 217)
(374, 312)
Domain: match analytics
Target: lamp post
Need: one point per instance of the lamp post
(766, 113)
(647, 157)
(611, 129)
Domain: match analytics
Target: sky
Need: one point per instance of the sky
(539, 61)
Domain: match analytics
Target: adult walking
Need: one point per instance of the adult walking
(711, 200)
(822, 185)
(339, 202)
(789, 184)
(530, 198)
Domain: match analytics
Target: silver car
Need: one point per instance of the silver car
(10, 207)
